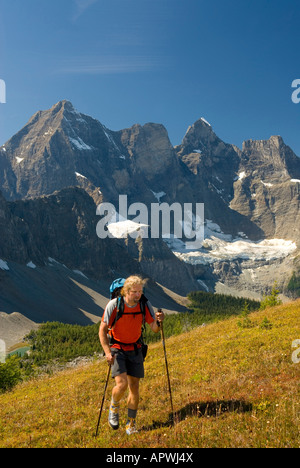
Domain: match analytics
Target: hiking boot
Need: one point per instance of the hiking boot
(130, 427)
(113, 416)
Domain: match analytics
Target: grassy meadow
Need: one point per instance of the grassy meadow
(232, 386)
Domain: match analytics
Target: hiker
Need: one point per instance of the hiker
(122, 344)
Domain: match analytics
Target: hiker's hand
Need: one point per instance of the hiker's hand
(110, 358)
(160, 316)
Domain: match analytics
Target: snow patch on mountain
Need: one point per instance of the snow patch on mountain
(217, 250)
(3, 265)
(79, 144)
(218, 247)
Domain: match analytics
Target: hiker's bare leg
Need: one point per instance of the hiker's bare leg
(134, 394)
(121, 384)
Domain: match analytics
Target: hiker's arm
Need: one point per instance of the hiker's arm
(105, 343)
(159, 317)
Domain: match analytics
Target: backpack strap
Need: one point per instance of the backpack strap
(120, 310)
(121, 306)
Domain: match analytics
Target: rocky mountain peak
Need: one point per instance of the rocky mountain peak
(271, 159)
(199, 136)
(149, 148)
(274, 141)
(57, 148)
(64, 105)
(266, 189)
(201, 146)
(61, 147)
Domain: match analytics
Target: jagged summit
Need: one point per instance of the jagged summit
(61, 147)
(62, 163)
(275, 159)
(197, 137)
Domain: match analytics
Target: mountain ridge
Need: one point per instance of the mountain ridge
(61, 147)
(62, 164)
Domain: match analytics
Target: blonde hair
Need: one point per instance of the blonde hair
(132, 281)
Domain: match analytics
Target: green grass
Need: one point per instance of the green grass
(59, 342)
(231, 386)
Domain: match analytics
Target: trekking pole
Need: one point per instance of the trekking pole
(103, 399)
(167, 367)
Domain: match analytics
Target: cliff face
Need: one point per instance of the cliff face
(268, 188)
(60, 226)
(15, 235)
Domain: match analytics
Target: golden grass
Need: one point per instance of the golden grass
(231, 386)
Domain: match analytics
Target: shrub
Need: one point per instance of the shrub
(272, 300)
(10, 374)
(294, 285)
(266, 324)
(245, 321)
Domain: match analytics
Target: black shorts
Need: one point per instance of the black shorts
(130, 362)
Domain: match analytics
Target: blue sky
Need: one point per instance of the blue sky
(166, 61)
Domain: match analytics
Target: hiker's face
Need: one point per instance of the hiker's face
(134, 294)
